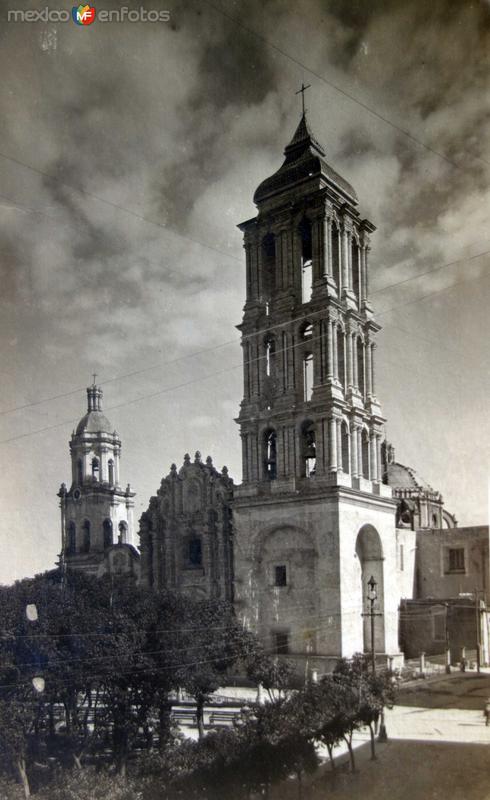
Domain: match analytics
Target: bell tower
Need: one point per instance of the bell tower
(96, 512)
(308, 332)
(310, 421)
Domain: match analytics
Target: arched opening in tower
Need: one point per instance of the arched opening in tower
(306, 260)
(308, 448)
(369, 551)
(270, 454)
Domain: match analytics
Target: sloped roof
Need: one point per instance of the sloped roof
(304, 159)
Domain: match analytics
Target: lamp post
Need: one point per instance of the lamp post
(372, 596)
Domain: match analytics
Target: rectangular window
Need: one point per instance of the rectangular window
(281, 643)
(195, 552)
(456, 559)
(280, 575)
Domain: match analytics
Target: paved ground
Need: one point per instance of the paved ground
(409, 770)
(438, 749)
(459, 690)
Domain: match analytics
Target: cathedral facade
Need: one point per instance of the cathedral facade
(186, 533)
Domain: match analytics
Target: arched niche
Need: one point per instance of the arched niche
(369, 551)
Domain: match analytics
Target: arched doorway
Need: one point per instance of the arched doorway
(370, 554)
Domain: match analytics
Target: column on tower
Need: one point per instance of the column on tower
(254, 268)
(87, 468)
(248, 271)
(333, 444)
(373, 468)
(245, 457)
(373, 386)
(104, 468)
(345, 258)
(359, 450)
(326, 254)
(317, 252)
(350, 364)
(330, 351)
(340, 465)
(355, 377)
(322, 446)
(117, 454)
(379, 476)
(335, 352)
(317, 350)
(369, 370)
(364, 251)
(353, 450)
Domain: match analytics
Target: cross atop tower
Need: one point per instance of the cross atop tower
(302, 93)
(94, 375)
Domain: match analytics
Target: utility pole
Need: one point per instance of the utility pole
(446, 637)
(478, 629)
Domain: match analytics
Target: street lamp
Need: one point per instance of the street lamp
(372, 596)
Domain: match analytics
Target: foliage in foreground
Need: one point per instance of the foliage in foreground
(111, 656)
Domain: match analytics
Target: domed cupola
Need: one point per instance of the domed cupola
(97, 512)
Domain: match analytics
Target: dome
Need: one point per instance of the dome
(94, 422)
(305, 160)
(401, 477)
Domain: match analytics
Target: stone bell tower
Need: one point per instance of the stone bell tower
(312, 516)
(96, 512)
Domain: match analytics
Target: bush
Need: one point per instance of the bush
(90, 784)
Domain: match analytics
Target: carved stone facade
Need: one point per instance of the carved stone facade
(186, 534)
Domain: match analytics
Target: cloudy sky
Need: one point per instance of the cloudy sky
(129, 153)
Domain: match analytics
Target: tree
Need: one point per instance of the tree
(211, 641)
(374, 690)
(271, 672)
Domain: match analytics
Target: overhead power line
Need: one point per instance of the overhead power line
(229, 342)
(213, 374)
(116, 206)
(340, 90)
